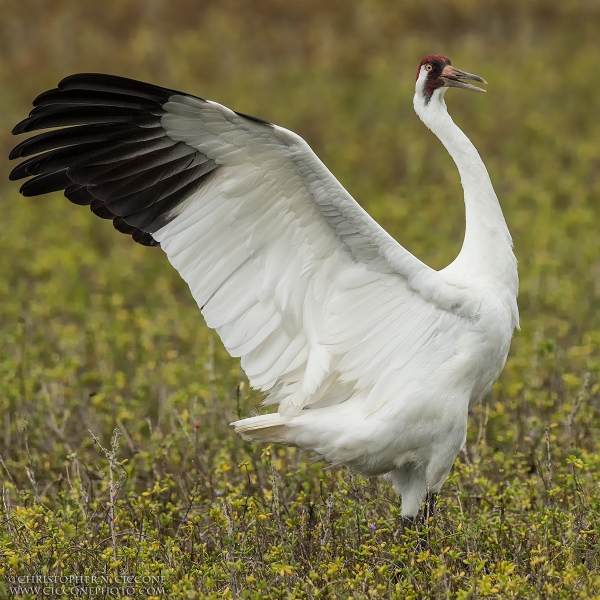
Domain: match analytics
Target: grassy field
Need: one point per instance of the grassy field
(115, 399)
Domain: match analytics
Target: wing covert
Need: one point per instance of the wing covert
(295, 276)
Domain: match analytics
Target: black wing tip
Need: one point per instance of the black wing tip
(119, 84)
(19, 172)
(38, 100)
(105, 78)
(20, 127)
(89, 108)
(23, 192)
(17, 151)
(45, 184)
(115, 84)
(143, 238)
(255, 119)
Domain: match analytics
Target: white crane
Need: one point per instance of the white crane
(373, 358)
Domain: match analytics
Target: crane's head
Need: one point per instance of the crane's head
(436, 73)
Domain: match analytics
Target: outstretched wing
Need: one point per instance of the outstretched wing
(315, 297)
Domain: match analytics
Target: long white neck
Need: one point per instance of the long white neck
(486, 254)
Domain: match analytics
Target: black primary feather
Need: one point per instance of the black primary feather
(110, 152)
(69, 136)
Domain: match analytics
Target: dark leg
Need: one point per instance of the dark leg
(405, 524)
(408, 523)
(423, 532)
(430, 501)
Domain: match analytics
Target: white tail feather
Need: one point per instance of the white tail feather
(264, 428)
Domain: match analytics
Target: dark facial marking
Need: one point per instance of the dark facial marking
(433, 82)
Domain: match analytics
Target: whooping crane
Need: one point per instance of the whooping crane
(373, 358)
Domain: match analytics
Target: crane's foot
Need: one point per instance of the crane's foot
(405, 523)
(419, 537)
(408, 523)
(417, 523)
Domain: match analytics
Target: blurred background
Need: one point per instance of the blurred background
(341, 74)
(96, 330)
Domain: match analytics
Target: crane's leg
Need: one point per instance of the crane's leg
(428, 513)
(408, 523)
(430, 502)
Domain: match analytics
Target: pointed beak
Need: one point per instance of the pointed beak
(453, 77)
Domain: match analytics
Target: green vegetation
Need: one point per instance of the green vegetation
(99, 335)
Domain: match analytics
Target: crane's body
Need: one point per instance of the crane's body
(373, 358)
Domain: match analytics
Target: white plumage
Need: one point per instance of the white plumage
(373, 358)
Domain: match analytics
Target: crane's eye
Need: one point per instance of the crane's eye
(428, 67)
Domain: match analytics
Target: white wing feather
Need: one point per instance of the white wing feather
(320, 303)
